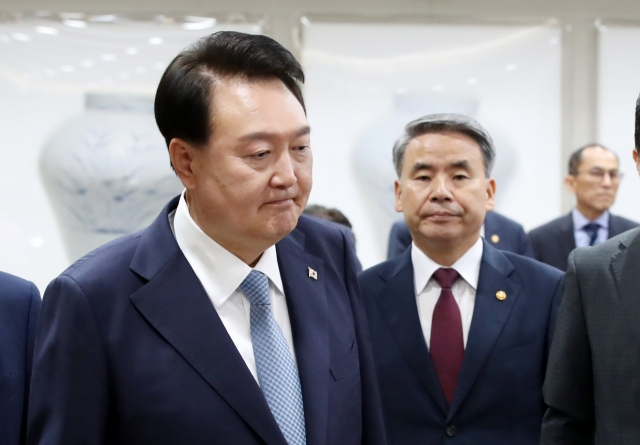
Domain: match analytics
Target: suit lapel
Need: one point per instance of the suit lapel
(307, 305)
(489, 317)
(625, 267)
(397, 302)
(177, 306)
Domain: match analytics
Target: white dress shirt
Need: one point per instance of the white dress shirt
(221, 274)
(464, 289)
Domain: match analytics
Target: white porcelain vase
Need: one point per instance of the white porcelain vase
(107, 171)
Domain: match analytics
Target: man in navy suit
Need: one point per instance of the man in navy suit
(594, 178)
(231, 319)
(460, 330)
(502, 233)
(19, 309)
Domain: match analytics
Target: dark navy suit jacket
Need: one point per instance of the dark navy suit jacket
(502, 233)
(553, 242)
(498, 398)
(130, 350)
(19, 309)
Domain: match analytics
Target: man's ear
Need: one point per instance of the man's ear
(570, 182)
(491, 194)
(636, 159)
(182, 154)
(398, 191)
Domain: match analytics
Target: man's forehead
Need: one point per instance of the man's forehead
(250, 106)
(598, 157)
(441, 148)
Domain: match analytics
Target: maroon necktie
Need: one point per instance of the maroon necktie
(447, 344)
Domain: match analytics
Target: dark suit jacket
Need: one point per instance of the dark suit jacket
(593, 378)
(498, 399)
(130, 350)
(502, 233)
(19, 309)
(553, 242)
(351, 238)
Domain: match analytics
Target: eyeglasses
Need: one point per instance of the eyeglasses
(598, 174)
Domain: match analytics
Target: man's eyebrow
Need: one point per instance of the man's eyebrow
(458, 164)
(461, 164)
(265, 135)
(421, 166)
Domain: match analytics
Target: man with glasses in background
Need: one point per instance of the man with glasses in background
(594, 177)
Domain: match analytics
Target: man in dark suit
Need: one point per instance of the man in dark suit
(460, 330)
(501, 232)
(594, 179)
(593, 385)
(230, 319)
(19, 309)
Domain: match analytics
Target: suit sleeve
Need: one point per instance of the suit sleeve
(372, 421)
(568, 387)
(69, 391)
(32, 325)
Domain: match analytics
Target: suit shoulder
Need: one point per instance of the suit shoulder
(503, 221)
(551, 226)
(533, 267)
(15, 287)
(321, 238)
(312, 226)
(107, 261)
(625, 223)
(381, 272)
(595, 257)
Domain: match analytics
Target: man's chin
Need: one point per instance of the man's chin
(283, 224)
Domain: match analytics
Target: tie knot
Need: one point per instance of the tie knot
(446, 277)
(256, 288)
(591, 227)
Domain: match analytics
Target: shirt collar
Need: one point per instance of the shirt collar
(468, 266)
(219, 271)
(579, 220)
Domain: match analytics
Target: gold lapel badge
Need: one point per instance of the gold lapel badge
(495, 239)
(501, 295)
(312, 273)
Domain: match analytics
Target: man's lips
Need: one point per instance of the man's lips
(440, 215)
(280, 201)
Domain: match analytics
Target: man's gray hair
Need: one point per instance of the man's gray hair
(446, 123)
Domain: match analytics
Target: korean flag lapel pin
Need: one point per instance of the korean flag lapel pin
(312, 273)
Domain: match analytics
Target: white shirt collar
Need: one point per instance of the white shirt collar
(468, 266)
(219, 271)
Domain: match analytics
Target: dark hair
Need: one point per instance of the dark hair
(446, 123)
(576, 157)
(323, 212)
(637, 133)
(184, 95)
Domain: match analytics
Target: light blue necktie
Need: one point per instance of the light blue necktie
(277, 372)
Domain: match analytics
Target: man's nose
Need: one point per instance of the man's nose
(284, 174)
(441, 189)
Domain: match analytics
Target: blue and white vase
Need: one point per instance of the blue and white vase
(107, 171)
